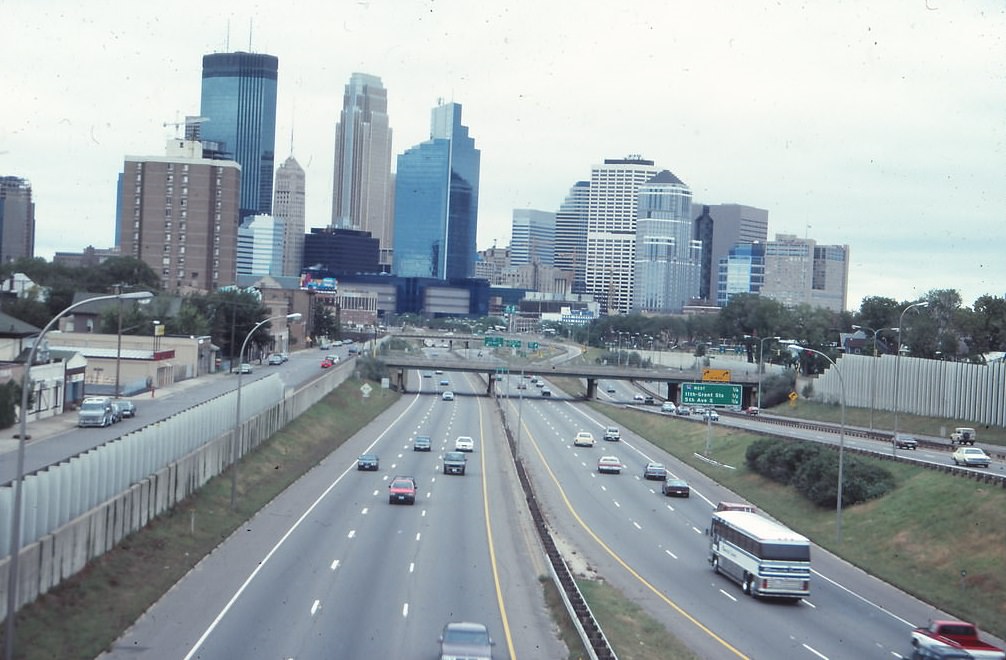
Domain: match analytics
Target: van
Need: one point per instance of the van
(95, 411)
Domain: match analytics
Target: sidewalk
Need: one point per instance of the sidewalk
(47, 427)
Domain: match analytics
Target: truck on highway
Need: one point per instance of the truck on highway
(958, 635)
(963, 435)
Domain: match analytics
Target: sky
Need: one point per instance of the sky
(877, 125)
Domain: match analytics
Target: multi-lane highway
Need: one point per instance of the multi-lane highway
(332, 570)
(655, 549)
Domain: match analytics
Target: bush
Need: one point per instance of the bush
(775, 389)
(812, 469)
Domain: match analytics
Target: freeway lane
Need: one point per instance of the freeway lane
(655, 549)
(331, 569)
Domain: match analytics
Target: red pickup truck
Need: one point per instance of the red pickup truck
(954, 635)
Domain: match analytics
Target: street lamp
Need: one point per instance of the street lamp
(237, 408)
(897, 371)
(841, 439)
(761, 364)
(15, 525)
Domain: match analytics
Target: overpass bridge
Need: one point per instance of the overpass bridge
(670, 379)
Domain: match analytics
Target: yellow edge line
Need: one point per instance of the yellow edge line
(489, 538)
(621, 562)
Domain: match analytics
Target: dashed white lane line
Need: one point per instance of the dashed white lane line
(636, 524)
(673, 556)
(315, 607)
(352, 533)
(364, 512)
(335, 565)
(405, 609)
(728, 595)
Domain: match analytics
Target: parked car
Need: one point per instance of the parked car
(402, 489)
(447, 396)
(675, 487)
(971, 457)
(275, 359)
(464, 443)
(124, 408)
(422, 443)
(95, 411)
(655, 471)
(368, 462)
(470, 641)
(609, 464)
(244, 368)
(583, 439)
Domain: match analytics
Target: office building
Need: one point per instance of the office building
(532, 237)
(571, 235)
(362, 190)
(17, 219)
(288, 205)
(612, 203)
(179, 215)
(341, 251)
(238, 104)
(437, 200)
(719, 227)
(668, 262)
(798, 271)
(260, 245)
(741, 271)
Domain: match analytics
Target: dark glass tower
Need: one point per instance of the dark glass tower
(437, 200)
(239, 104)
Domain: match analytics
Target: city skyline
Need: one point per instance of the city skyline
(876, 127)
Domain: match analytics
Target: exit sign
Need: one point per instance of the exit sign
(711, 394)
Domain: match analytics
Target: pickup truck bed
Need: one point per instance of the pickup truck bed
(955, 635)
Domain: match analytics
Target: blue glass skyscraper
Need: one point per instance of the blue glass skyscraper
(239, 104)
(437, 200)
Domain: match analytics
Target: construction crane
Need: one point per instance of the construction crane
(191, 125)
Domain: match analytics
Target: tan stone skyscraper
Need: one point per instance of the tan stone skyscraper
(288, 205)
(362, 189)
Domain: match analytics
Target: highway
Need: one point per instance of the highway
(655, 550)
(331, 569)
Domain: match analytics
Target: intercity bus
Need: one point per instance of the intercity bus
(764, 557)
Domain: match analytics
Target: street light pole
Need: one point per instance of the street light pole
(841, 441)
(897, 370)
(761, 364)
(15, 525)
(235, 444)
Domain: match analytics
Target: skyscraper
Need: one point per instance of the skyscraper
(612, 203)
(437, 201)
(260, 246)
(799, 271)
(532, 237)
(362, 189)
(288, 204)
(179, 214)
(571, 235)
(741, 271)
(17, 219)
(667, 264)
(239, 105)
(719, 227)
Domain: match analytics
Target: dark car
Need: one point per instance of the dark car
(904, 441)
(422, 443)
(124, 407)
(455, 462)
(368, 462)
(402, 490)
(675, 487)
(470, 641)
(655, 471)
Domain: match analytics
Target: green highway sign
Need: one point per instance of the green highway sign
(493, 342)
(711, 394)
(532, 346)
(513, 343)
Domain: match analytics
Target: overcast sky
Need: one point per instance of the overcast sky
(874, 124)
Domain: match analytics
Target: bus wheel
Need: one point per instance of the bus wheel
(748, 585)
(716, 564)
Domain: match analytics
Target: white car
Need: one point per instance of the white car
(464, 443)
(971, 457)
(447, 396)
(609, 464)
(668, 407)
(638, 397)
(583, 439)
(710, 415)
